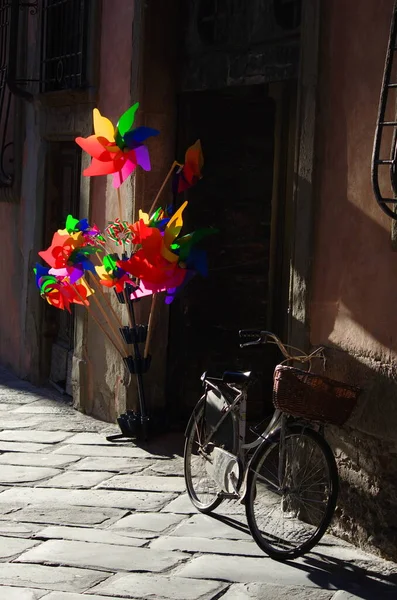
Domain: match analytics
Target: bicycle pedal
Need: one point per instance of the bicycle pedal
(228, 496)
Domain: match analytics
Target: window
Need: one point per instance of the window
(64, 44)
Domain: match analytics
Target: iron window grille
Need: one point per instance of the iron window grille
(64, 45)
(384, 155)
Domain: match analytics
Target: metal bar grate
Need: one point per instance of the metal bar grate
(387, 204)
(64, 44)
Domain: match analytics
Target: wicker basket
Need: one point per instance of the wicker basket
(313, 397)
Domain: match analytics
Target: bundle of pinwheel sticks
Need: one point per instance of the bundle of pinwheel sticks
(148, 257)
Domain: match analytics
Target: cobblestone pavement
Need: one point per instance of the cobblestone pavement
(84, 518)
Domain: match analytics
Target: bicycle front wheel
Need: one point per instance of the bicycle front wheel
(292, 490)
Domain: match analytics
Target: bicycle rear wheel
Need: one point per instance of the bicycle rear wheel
(292, 490)
(201, 488)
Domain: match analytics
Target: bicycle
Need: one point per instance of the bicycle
(287, 477)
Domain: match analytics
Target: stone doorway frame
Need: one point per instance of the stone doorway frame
(303, 194)
(301, 230)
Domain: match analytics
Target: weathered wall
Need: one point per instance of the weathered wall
(354, 289)
(254, 42)
(10, 300)
(99, 367)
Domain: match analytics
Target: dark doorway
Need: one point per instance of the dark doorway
(62, 198)
(237, 131)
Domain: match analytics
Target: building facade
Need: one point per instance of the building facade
(284, 97)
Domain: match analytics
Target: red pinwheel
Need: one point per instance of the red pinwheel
(69, 255)
(59, 292)
(111, 275)
(117, 151)
(190, 173)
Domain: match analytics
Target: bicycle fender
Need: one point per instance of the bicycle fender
(194, 413)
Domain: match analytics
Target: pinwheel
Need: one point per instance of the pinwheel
(160, 261)
(60, 292)
(111, 275)
(91, 234)
(69, 255)
(158, 219)
(119, 150)
(164, 262)
(189, 173)
(119, 232)
(62, 245)
(183, 176)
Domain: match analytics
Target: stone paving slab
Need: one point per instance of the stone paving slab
(67, 515)
(20, 530)
(115, 465)
(44, 407)
(76, 479)
(204, 526)
(100, 498)
(344, 553)
(23, 422)
(36, 460)
(11, 547)
(304, 573)
(42, 437)
(66, 579)
(101, 556)
(207, 546)
(85, 534)
(107, 451)
(376, 594)
(68, 596)
(9, 509)
(12, 474)
(147, 522)
(4, 406)
(92, 439)
(72, 423)
(146, 483)
(166, 467)
(21, 447)
(242, 569)
(15, 593)
(181, 505)
(263, 591)
(17, 398)
(159, 587)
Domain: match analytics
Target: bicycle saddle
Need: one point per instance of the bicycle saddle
(230, 377)
(237, 376)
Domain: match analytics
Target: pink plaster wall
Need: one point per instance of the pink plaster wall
(105, 367)
(114, 91)
(354, 294)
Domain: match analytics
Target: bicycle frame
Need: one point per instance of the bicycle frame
(240, 403)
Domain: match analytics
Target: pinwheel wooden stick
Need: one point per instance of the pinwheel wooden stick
(115, 332)
(174, 164)
(108, 304)
(128, 309)
(109, 322)
(119, 201)
(112, 341)
(150, 324)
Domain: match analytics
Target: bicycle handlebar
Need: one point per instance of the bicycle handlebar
(257, 337)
